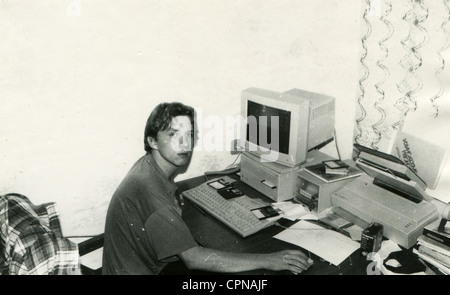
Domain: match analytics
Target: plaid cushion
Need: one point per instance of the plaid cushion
(31, 240)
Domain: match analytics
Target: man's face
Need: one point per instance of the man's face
(175, 144)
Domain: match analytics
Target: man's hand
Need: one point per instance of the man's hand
(292, 260)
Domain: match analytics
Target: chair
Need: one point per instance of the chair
(87, 247)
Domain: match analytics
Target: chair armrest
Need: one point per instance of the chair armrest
(91, 244)
(87, 247)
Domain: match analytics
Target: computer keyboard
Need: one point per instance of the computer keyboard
(235, 212)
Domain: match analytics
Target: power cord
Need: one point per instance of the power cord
(224, 172)
(336, 144)
(237, 157)
(232, 168)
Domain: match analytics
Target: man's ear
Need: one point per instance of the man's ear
(152, 142)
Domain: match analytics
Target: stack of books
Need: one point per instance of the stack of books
(336, 167)
(433, 247)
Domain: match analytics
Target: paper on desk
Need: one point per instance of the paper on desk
(293, 211)
(355, 232)
(325, 243)
(309, 216)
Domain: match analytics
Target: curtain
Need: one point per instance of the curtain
(404, 51)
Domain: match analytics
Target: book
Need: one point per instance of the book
(336, 167)
(341, 171)
(436, 255)
(424, 158)
(389, 163)
(432, 261)
(438, 236)
(433, 244)
(319, 171)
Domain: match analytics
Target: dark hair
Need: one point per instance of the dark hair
(161, 117)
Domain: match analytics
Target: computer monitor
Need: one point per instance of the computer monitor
(283, 127)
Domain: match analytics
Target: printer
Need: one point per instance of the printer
(388, 193)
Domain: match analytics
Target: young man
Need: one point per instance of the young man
(144, 230)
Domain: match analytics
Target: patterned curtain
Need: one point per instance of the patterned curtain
(403, 66)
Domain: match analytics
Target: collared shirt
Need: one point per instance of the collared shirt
(31, 240)
(144, 230)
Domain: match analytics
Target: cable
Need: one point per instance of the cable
(232, 168)
(223, 172)
(237, 157)
(337, 146)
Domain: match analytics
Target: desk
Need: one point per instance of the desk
(211, 233)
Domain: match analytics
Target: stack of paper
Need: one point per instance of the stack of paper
(294, 211)
(325, 243)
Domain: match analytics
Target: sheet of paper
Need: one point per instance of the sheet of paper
(325, 243)
(309, 216)
(355, 232)
(294, 211)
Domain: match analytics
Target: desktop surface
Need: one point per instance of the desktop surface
(211, 233)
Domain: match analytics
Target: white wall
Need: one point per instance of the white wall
(79, 79)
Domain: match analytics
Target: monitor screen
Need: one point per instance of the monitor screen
(268, 127)
(282, 127)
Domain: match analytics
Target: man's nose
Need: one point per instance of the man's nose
(185, 142)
